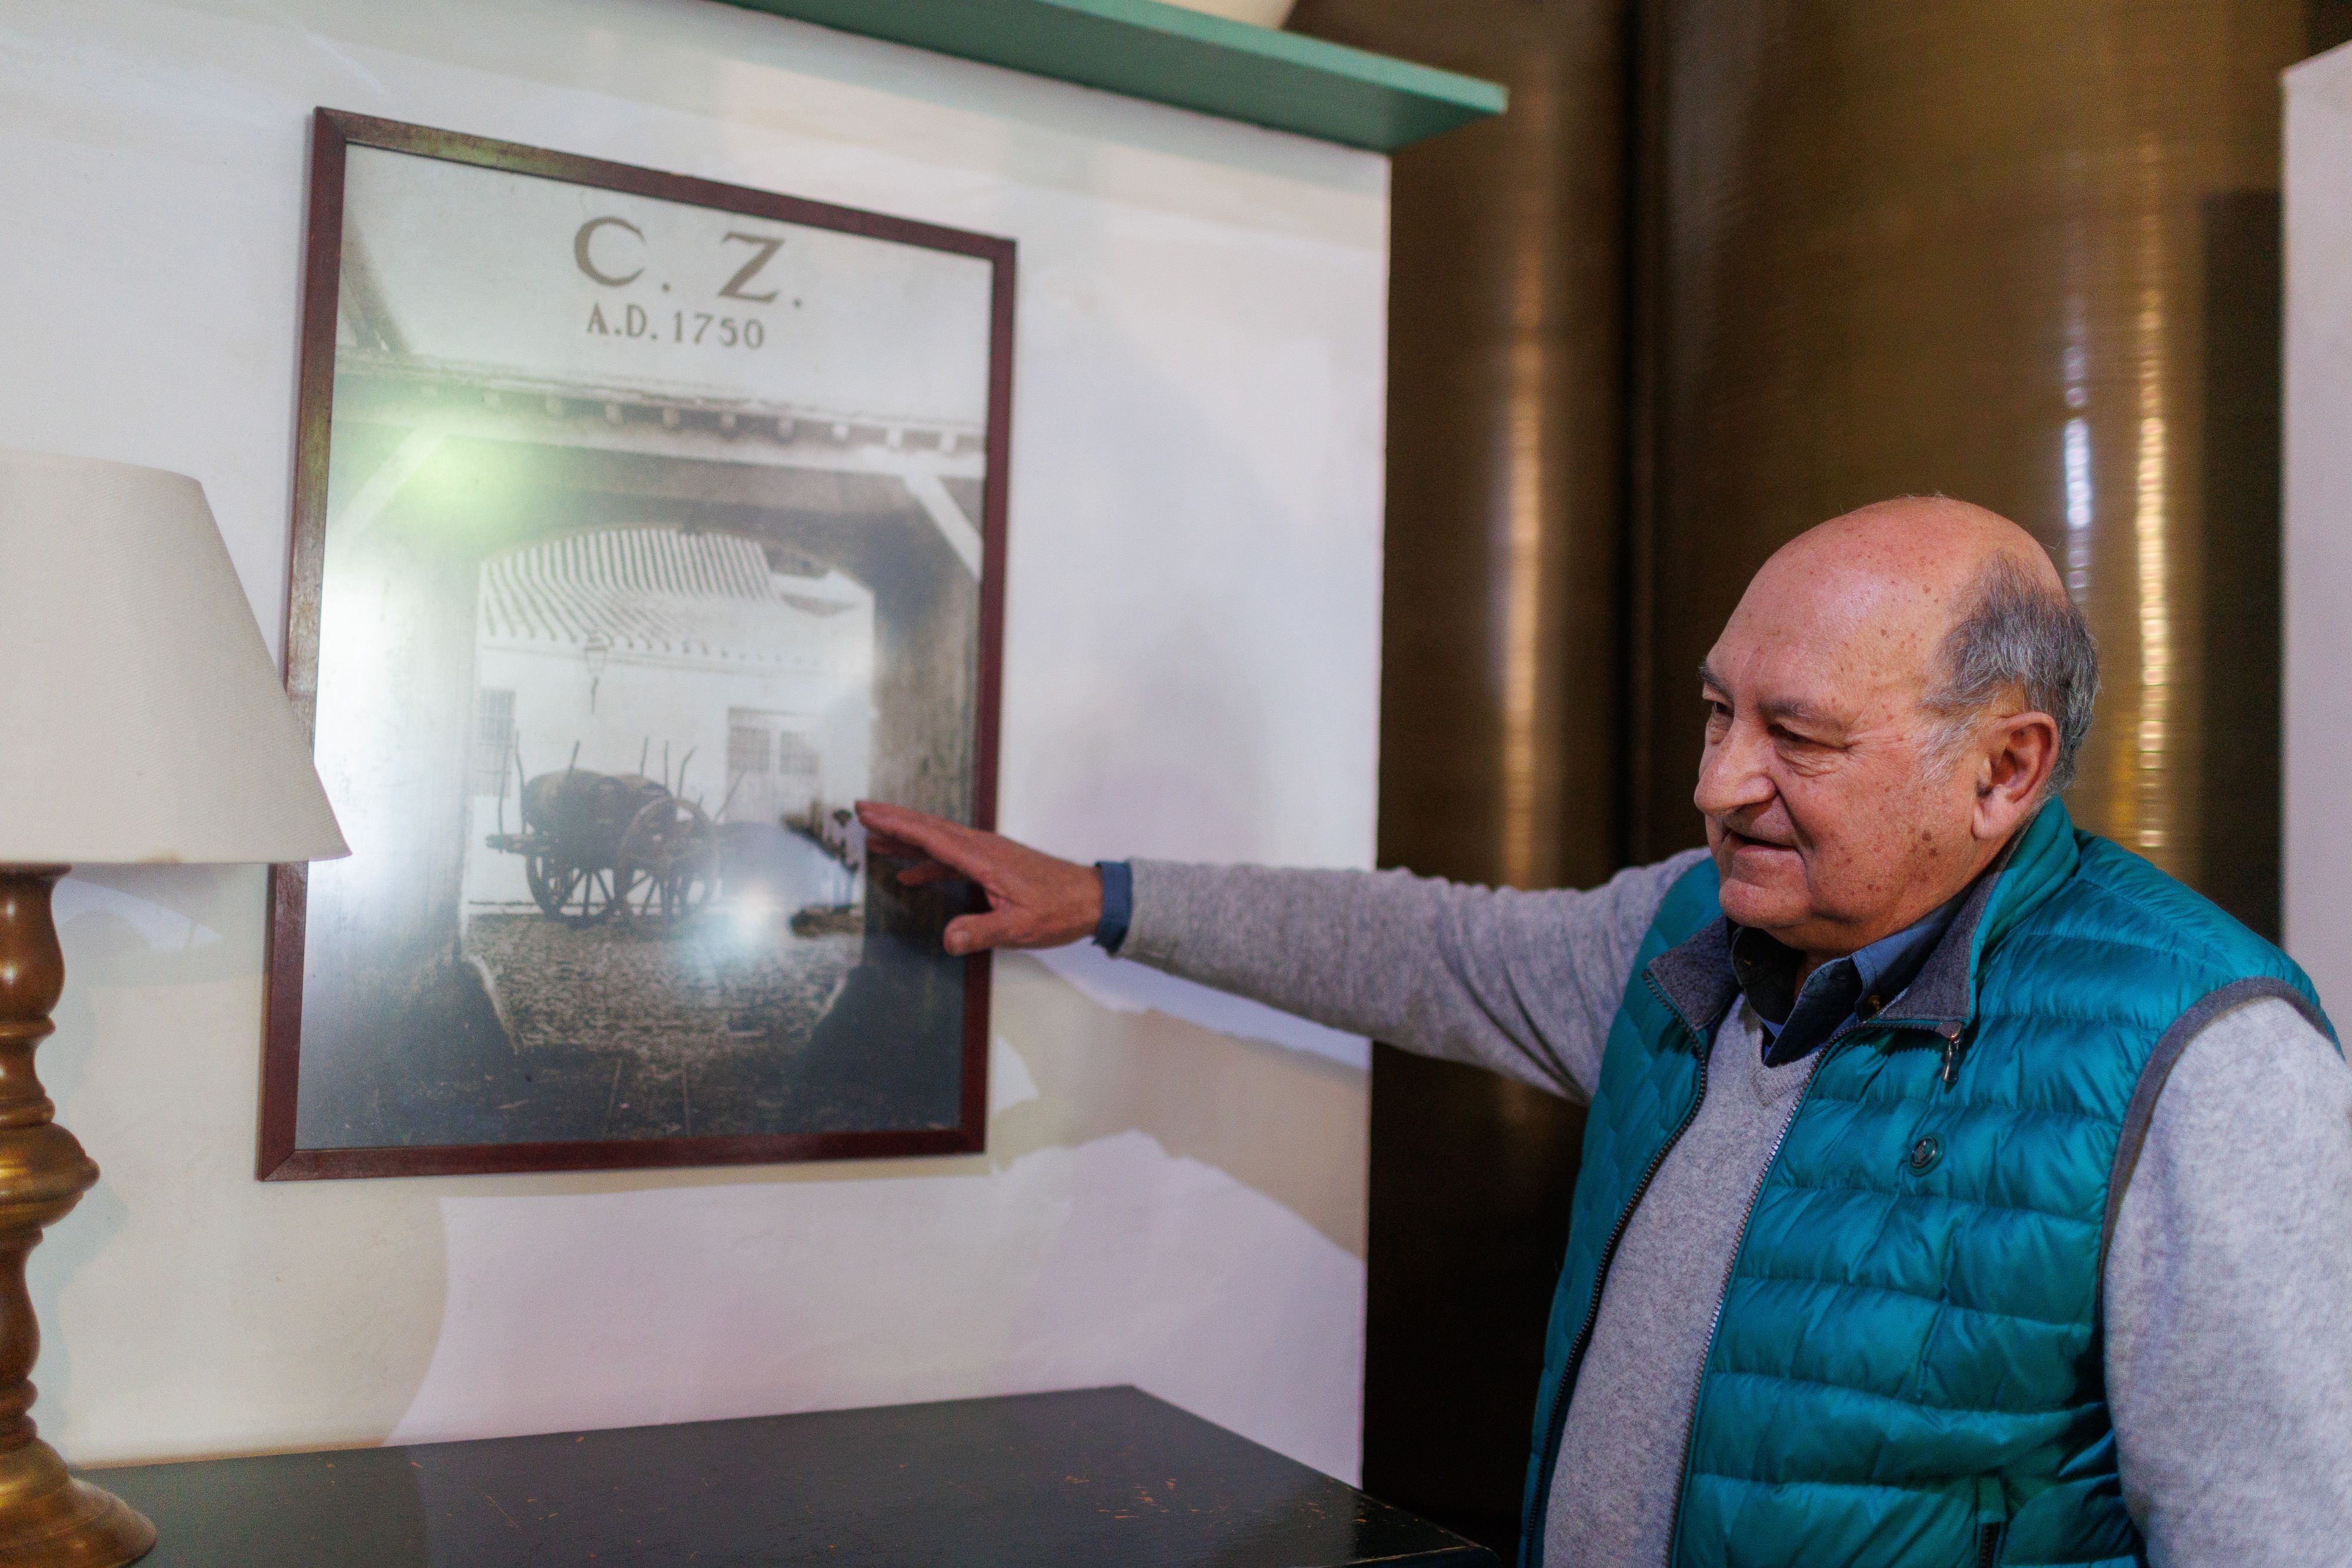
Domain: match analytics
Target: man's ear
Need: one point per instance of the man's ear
(2020, 752)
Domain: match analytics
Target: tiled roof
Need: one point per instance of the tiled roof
(657, 590)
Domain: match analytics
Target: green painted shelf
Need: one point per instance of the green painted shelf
(1167, 54)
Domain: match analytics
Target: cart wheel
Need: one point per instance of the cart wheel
(577, 896)
(669, 863)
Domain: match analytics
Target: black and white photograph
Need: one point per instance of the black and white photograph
(643, 526)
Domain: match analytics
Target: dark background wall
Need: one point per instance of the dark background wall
(2021, 252)
(1500, 691)
(1725, 269)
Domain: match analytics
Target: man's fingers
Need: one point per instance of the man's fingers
(895, 849)
(973, 933)
(920, 830)
(900, 821)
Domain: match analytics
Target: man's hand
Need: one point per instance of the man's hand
(1033, 900)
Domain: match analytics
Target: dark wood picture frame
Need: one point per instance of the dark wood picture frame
(278, 1156)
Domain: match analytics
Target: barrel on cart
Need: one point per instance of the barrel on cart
(598, 844)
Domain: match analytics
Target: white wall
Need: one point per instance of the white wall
(1191, 669)
(2318, 544)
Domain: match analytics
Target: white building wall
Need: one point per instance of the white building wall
(1191, 669)
(669, 715)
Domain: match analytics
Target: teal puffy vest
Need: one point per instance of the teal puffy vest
(1908, 1367)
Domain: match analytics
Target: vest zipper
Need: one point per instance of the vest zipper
(1699, 1383)
(1532, 1545)
(1992, 1521)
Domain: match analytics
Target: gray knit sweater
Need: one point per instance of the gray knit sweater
(2228, 1350)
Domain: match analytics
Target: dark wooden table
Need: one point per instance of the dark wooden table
(1105, 1476)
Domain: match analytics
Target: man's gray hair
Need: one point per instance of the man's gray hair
(2017, 635)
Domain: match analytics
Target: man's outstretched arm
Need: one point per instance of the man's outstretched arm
(1521, 983)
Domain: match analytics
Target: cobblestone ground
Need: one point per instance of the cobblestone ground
(721, 988)
(537, 1032)
(651, 1034)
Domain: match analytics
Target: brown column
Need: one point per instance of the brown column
(1500, 688)
(2019, 251)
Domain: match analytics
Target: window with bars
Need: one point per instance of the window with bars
(747, 749)
(493, 741)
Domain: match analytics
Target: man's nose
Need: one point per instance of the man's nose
(1731, 774)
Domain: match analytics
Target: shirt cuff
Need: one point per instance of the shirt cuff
(1118, 903)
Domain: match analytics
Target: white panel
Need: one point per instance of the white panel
(1192, 671)
(2318, 544)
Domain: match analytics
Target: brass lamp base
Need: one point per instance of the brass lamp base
(48, 1518)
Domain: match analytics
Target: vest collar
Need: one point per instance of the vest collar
(1697, 982)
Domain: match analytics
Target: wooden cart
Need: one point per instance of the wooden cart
(598, 844)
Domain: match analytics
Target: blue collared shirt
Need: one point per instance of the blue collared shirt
(1843, 991)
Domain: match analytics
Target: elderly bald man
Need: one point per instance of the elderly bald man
(1958, 1188)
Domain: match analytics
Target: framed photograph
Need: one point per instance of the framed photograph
(641, 525)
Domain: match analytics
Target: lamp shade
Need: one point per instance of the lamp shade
(141, 717)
